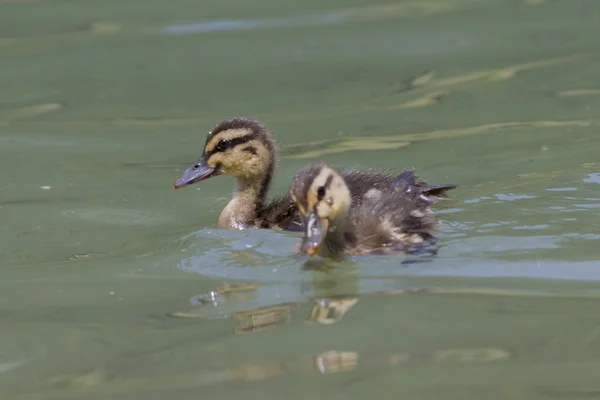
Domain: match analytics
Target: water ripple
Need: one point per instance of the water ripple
(328, 18)
(593, 178)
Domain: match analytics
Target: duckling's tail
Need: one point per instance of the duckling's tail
(407, 180)
(437, 191)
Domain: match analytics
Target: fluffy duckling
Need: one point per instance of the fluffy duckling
(244, 149)
(398, 217)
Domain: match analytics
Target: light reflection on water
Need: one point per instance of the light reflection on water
(233, 25)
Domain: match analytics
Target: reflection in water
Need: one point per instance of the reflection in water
(337, 292)
(323, 363)
(593, 178)
(231, 25)
(352, 143)
(259, 319)
(222, 296)
(225, 293)
(331, 310)
(336, 296)
(11, 365)
(367, 13)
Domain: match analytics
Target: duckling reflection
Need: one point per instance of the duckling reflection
(398, 217)
(232, 297)
(327, 298)
(225, 293)
(260, 319)
(324, 363)
(333, 295)
(243, 148)
(327, 311)
(219, 297)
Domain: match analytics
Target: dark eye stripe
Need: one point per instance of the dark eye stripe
(328, 181)
(232, 143)
(250, 149)
(323, 189)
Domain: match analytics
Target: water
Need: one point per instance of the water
(112, 285)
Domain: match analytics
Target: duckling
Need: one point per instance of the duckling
(398, 217)
(243, 148)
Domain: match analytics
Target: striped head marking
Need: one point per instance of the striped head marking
(322, 198)
(319, 188)
(238, 147)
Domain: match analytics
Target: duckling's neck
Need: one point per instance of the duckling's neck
(336, 239)
(247, 201)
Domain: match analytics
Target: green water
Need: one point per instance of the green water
(114, 286)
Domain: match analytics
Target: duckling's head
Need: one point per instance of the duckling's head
(239, 147)
(323, 200)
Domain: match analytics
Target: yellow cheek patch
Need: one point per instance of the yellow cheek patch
(241, 162)
(232, 161)
(324, 210)
(311, 199)
(214, 160)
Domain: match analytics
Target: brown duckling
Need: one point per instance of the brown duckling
(334, 224)
(244, 149)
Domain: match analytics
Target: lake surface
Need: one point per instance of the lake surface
(115, 286)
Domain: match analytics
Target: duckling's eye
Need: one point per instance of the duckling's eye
(223, 144)
(320, 193)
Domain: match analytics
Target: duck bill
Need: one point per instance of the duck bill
(196, 172)
(315, 230)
